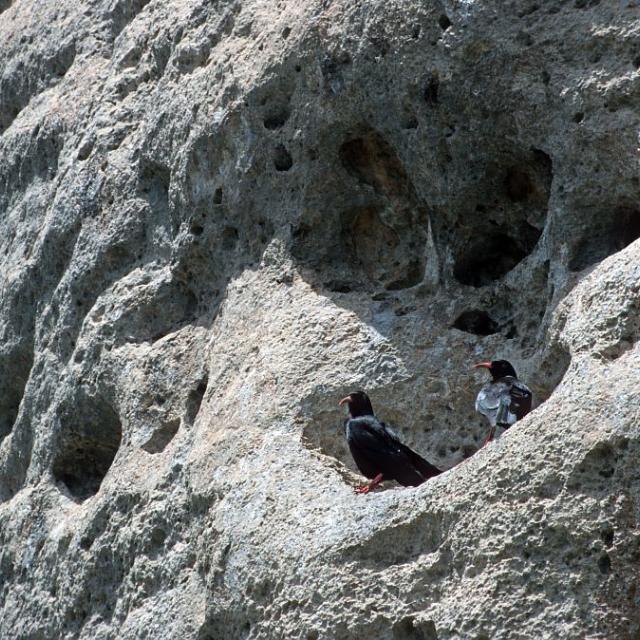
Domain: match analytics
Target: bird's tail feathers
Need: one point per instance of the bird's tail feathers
(425, 468)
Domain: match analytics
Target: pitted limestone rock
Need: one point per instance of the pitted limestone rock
(218, 218)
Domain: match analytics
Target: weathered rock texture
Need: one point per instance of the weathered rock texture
(219, 217)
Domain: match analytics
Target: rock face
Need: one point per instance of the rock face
(217, 218)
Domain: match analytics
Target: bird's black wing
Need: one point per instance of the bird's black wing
(411, 462)
(521, 399)
(362, 441)
(377, 449)
(426, 469)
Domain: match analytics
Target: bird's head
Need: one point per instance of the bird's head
(497, 368)
(358, 403)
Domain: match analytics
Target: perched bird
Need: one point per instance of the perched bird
(377, 450)
(505, 399)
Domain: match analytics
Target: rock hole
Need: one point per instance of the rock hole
(89, 440)
(477, 322)
(86, 542)
(431, 88)
(265, 230)
(282, 160)
(162, 437)
(607, 535)
(153, 182)
(488, 259)
(217, 196)
(411, 629)
(276, 117)
(85, 149)
(286, 32)
(229, 238)
(339, 286)
(195, 398)
(604, 234)
(444, 22)
(578, 117)
(604, 564)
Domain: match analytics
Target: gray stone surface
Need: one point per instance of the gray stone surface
(216, 218)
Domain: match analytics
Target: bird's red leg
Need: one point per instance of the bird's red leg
(365, 488)
(489, 437)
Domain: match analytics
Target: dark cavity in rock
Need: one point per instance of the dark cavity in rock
(282, 160)
(195, 400)
(444, 22)
(90, 434)
(488, 259)
(381, 243)
(276, 117)
(158, 442)
(431, 88)
(605, 233)
(477, 322)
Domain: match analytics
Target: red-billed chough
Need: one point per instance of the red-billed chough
(377, 450)
(505, 399)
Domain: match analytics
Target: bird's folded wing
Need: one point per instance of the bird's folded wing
(521, 399)
(371, 434)
(425, 468)
(379, 440)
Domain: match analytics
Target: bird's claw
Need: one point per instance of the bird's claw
(365, 488)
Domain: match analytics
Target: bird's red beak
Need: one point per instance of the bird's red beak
(483, 365)
(345, 400)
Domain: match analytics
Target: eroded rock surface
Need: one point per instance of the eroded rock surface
(219, 217)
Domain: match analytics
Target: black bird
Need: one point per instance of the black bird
(505, 399)
(377, 450)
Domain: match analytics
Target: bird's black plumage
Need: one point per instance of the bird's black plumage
(505, 399)
(377, 450)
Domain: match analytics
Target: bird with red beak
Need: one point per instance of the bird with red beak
(505, 399)
(377, 450)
